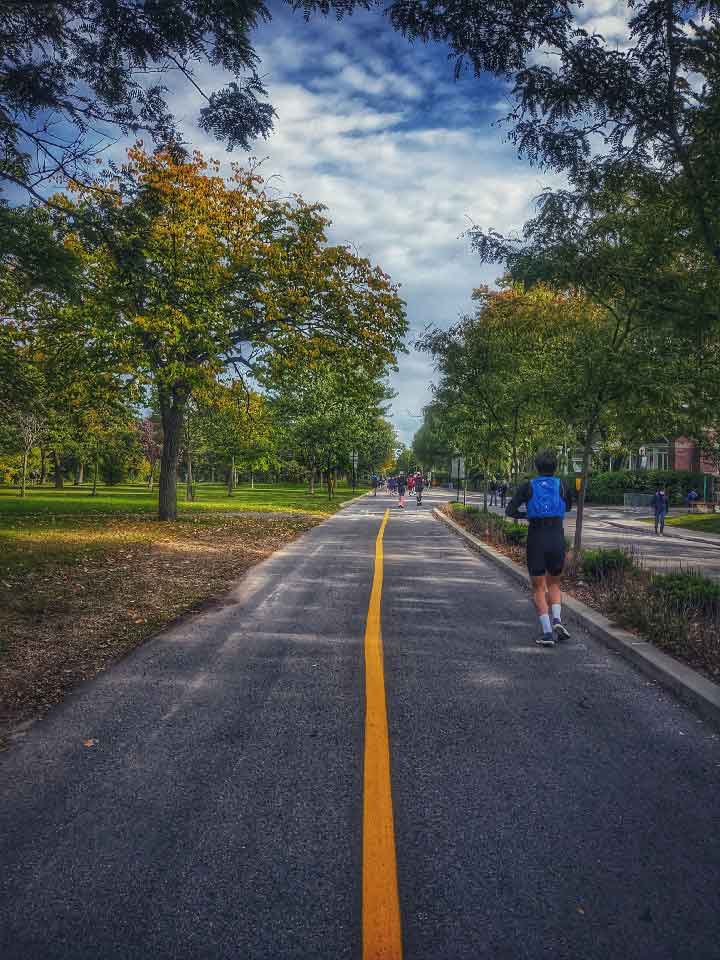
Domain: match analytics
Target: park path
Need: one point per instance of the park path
(204, 797)
(614, 527)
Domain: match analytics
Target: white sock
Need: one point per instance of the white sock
(556, 608)
(545, 623)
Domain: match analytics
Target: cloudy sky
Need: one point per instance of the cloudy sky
(403, 156)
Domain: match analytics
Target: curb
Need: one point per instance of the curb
(687, 684)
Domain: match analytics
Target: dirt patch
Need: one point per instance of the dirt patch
(66, 618)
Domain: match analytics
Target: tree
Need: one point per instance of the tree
(31, 428)
(625, 242)
(237, 425)
(545, 367)
(328, 409)
(488, 388)
(191, 273)
(591, 105)
(150, 439)
(37, 274)
(73, 67)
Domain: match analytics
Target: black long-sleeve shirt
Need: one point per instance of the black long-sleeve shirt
(524, 493)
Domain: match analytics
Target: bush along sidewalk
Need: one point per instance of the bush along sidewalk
(677, 611)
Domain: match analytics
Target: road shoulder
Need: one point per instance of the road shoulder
(687, 684)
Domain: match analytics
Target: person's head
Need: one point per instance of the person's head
(546, 463)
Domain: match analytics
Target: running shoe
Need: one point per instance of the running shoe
(560, 630)
(546, 640)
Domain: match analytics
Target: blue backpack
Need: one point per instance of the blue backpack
(546, 499)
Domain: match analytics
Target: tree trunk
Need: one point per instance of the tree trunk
(95, 471)
(57, 471)
(231, 477)
(189, 492)
(80, 474)
(43, 466)
(515, 470)
(587, 454)
(312, 481)
(172, 410)
(252, 480)
(24, 473)
(151, 478)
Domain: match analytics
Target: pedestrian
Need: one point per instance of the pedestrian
(547, 501)
(503, 493)
(660, 508)
(493, 493)
(419, 486)
(374, 481)
(692, 499)
(392, 485)
(401, 487)
(411, 483)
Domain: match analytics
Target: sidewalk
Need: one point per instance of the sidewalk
(617, 516)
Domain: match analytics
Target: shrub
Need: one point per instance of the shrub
(597, 564)
(611, 486)
(485, 524)
(515, 532)
(685, 590)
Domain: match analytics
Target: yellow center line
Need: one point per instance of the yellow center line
(380, 900)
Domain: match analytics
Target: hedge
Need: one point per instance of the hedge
(610, 487)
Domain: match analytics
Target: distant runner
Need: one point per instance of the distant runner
(401, 487)
(375, 481)
(547, 499)
(419, 486)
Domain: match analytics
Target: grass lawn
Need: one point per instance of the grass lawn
(698, 522)
(136, 499)
(85, 579)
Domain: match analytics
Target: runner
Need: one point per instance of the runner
(401, 487)
(392, 486)
(547, 500)
(375, 481)
(411, 483)
(419, 486)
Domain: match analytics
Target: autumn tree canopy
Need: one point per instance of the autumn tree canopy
(190, 274)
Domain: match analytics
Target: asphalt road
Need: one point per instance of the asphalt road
(548, 803)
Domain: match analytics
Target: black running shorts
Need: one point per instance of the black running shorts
(546, 550)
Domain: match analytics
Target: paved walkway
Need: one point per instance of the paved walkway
(613, 527)
(206, 796)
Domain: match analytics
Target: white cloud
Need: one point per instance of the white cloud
(400, 188)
